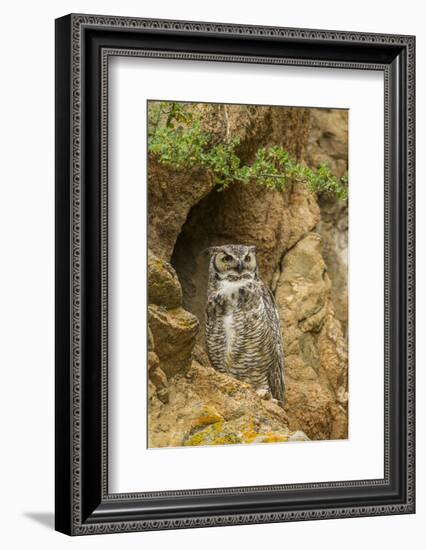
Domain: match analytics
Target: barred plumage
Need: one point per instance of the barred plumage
(242, 323)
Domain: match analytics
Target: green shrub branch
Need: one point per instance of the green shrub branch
(176, 139)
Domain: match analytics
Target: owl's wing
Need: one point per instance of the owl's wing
(276, 372)
(214, 332)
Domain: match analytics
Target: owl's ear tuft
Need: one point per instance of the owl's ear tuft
(210, 251)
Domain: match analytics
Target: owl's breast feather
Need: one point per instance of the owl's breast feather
(228, 327)
(230, 289)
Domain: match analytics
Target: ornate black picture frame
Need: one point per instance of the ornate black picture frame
(83, 45)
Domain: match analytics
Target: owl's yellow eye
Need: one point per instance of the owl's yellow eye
(227, 258)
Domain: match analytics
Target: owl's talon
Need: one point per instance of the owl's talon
(264, 394)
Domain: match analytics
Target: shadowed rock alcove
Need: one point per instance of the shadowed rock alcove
(190, 258)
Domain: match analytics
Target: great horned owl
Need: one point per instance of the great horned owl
(242, 323)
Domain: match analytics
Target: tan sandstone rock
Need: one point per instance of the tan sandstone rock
(171, 194)
(328, 143)
(328, 139)
(163, 285)
(315, 350)
(174, 332)
(158, 384)
(209, 408)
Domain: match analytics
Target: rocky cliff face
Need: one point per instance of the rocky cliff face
(189, 402)
(328, 143)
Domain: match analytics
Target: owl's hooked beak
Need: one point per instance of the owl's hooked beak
(240, 266)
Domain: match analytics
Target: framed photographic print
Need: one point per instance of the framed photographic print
(234, 274)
